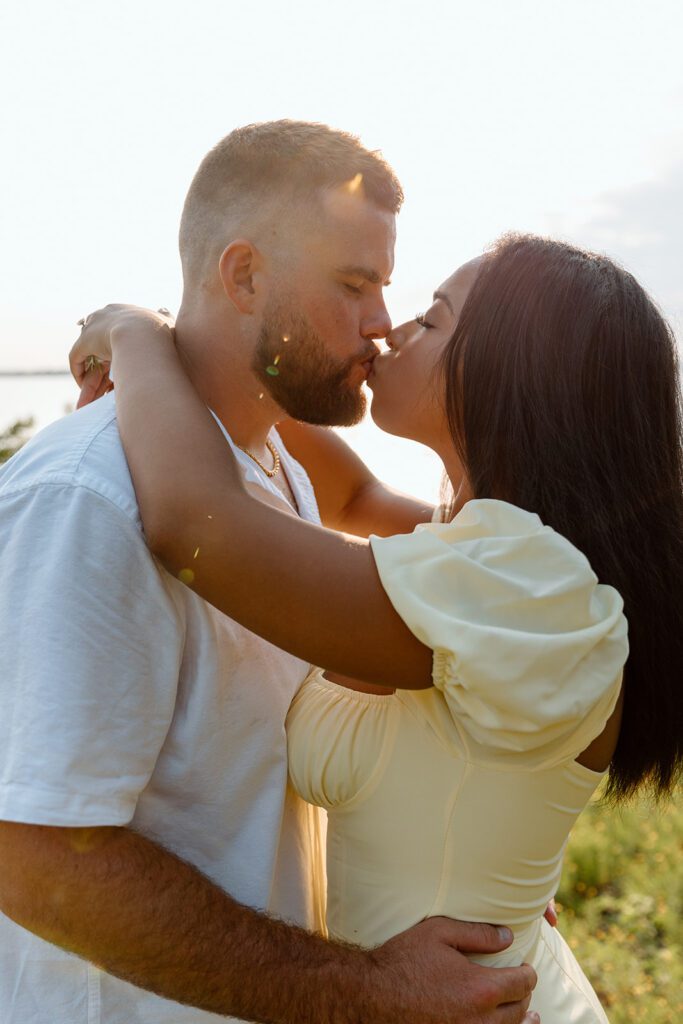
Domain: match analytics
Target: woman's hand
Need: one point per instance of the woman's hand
(91, 356)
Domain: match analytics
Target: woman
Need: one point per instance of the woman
(546, 380)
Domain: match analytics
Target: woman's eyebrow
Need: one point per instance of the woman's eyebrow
(444, 298)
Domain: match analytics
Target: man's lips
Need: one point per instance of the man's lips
(367, 363)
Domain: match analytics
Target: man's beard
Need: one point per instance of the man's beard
(309, 384)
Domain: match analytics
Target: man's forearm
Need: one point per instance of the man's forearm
(113, 897)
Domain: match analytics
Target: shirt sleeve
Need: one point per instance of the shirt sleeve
(528, 647)
(90, 646)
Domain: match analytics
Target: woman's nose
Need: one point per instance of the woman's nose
(398, 335)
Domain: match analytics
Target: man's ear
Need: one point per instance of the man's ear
(238, 266)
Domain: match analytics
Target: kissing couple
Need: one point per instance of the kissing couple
(216, 621)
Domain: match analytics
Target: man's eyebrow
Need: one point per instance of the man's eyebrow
(444, 298)
(370, 275)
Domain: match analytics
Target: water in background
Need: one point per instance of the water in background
(402, 464)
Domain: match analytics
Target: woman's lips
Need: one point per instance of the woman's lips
(377, 362)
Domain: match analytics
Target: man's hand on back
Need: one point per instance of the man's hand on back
(424, 977)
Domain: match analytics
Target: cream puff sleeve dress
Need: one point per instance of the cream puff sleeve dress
(458, 800)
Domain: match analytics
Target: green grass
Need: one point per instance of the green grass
(621, 901)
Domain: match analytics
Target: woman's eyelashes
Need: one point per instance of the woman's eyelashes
(421, 319)
(354, 289)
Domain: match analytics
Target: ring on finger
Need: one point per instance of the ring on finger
(92, 363)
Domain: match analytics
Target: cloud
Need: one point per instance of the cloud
(642, 227)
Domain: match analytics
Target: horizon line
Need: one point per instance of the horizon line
(35, 373)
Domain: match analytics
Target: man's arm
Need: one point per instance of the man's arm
(119, 900)
(350, 497)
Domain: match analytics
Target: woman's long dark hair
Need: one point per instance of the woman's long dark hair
(563, 395)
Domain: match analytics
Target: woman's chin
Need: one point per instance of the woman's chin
(386, 422)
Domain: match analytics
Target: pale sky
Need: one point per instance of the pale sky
(557, 117)
(542, 115)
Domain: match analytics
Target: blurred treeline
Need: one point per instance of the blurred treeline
(12, 438)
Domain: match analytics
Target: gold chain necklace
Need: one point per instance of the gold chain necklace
(273, 451)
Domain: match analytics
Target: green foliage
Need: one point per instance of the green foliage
(621, 899)
(13, 437)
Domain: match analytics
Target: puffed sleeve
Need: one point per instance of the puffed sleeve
(528, 647)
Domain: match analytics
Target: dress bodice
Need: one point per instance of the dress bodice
(458, 800)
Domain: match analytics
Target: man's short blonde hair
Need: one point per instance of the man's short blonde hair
(266, 170)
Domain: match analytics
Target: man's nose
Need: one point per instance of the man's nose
(377, 324)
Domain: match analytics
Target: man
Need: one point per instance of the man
(145, 821)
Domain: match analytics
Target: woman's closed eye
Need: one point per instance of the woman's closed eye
(421, 319)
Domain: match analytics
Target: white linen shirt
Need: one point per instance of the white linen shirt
(127, 700)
